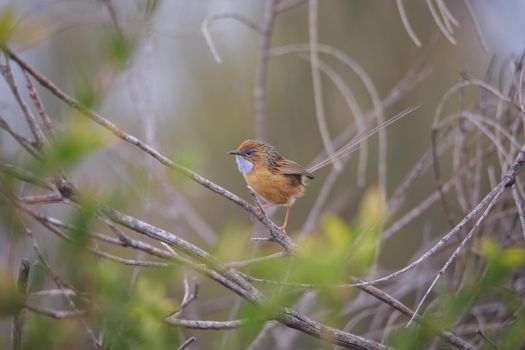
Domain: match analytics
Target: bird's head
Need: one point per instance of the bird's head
(249, 153)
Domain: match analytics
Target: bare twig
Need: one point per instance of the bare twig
(113, 14)
(52, 292)
(385, 298)
(275, 232)
(507, 181)
(367, 82)
(475, 22)
(39, 105)
(519, 205)
(406, 23)
(24, 175)
(261, 259)
(22, 141)
(354, 107)
(316, 79)
(439, 23)
(37, 133)
(285, 5)
(43, 198)
(259, 91)
(205, 325)
(186, 343)
(23, 289)
(205, 28)
(236, 282)
(56, 314)
(189, 296)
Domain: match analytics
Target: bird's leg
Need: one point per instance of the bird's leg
(283, 227)
(262, 207)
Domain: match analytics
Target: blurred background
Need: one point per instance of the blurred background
(147, 67)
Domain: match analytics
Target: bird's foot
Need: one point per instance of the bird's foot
(260, 211)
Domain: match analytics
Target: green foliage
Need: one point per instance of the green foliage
(82, 222)
(7, 25)
(342, 250)
(86, 91)
(119, 49)
(70, 148)
(42, 333)
(322, 260)
(10, 300)
(452, 306)
(7, 209)
(192, 158)
(132, 315)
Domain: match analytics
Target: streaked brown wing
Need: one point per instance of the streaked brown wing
(289, 167)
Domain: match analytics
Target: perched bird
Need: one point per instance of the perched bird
(281, 181)
(278, 180)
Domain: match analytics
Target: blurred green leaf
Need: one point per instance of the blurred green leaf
(7, 25)
(133, 316)
(83, 221)
(86, 92)
(77, 141)
(10, 300)
(119, 48)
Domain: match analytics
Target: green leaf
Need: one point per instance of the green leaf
(77, 141)
(7, 25)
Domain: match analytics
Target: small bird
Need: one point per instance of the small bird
(278, 180)
(281, 181)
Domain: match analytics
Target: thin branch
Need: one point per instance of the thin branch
(18, 319)
(190, 294)
(317, 84)
(56, 314)
(507, 181)
(415, 211)
(22, 141)
(367, 82)
(52, 292)
(275, 232)
(234, 281)
(186, 343)
(39, 105)
(75, 312)
(113, 15)
(477, 27)
(259, 91)
(205, 325)
(354, 107)
(37, 133)
(24, 175)
(406, 23)
(205, 28)
(47, 198)
(285, 5)
(519, 205)
(440, 24)
(448, 17)
(463, 243)
(258, 260)
(396, 304)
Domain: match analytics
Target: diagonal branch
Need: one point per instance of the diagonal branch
(275, 232)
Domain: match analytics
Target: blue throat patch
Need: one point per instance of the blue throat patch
(244, 165)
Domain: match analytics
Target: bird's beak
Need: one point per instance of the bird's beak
(234, 153)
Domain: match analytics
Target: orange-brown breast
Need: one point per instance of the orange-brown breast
(275, 188)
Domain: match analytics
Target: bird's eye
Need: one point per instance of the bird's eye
(249, 152)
